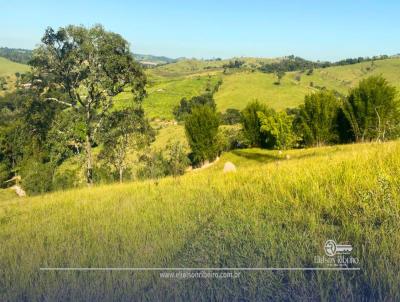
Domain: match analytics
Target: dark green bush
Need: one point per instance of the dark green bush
(201, 130)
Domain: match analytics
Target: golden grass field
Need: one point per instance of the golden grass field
(271, 212)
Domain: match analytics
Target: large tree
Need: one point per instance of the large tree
(91, 66)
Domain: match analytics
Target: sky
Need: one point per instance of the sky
(317, 30)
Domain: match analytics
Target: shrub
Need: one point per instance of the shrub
(230, 117)
(37, 177)
(231, 137)
(65, 180)
(176, 158)
(154, 166)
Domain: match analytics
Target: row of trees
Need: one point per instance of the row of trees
(293, 63)
(369, 112)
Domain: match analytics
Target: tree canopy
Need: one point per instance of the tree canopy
(90, 66)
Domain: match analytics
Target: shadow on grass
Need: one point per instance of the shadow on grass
(262, 157)
(257, 156)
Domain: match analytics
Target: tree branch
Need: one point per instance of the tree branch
(60, 102)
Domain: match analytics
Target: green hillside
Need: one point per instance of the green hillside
(171, 82)
(7, 74)
(9, 68)
(240, 88)
(163, 94)
(273, 212)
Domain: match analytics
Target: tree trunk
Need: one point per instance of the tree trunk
(121, 171)
(89, 160)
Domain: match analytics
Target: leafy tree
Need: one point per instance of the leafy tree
(176, 158)
(317, 118)
(251, 123)
(124, 130)
(91, 66)
(234, 64)
(279, 75)
(185, 106)
(154, 165)
(231, 137)
(230, 117)
(278, 127)
(201, 128)
(372, 109)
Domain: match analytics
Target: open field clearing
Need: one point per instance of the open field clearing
(271, 212)
(240, 88)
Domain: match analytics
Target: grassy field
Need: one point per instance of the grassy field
(169, 83)
(240, 88)
(8, 67)
(8, 70)
(272, 212)
(164, 94)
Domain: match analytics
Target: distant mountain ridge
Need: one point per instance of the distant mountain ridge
(18, 55)
(23, 56)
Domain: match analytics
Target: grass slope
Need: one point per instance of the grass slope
(8, 69)
(270, 213)
(240, 88)
(165, 94)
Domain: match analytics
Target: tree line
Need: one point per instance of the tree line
(370, 112)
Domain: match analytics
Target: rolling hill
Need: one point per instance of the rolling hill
(9, 68)
(244, 85)
(7, 72)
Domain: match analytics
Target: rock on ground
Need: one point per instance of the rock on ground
(229, 167)
(20, 192)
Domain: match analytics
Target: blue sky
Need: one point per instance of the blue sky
(324, 30)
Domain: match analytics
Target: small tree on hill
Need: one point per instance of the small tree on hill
(185, 106)
(176, 158)
(317, 118)
(279, 75)
(251, 123)
(278, 127)
(372, 109)
(201, 130)
(127, 130)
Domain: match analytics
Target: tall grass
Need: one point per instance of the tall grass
(272, 212)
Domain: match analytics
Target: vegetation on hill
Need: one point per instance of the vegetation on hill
(239, 88)
(16, 54)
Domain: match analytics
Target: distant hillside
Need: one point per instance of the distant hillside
(153, 59)
(241, 87)
(23, 56)
(8, 67)
(18, 55)
(7, 73)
